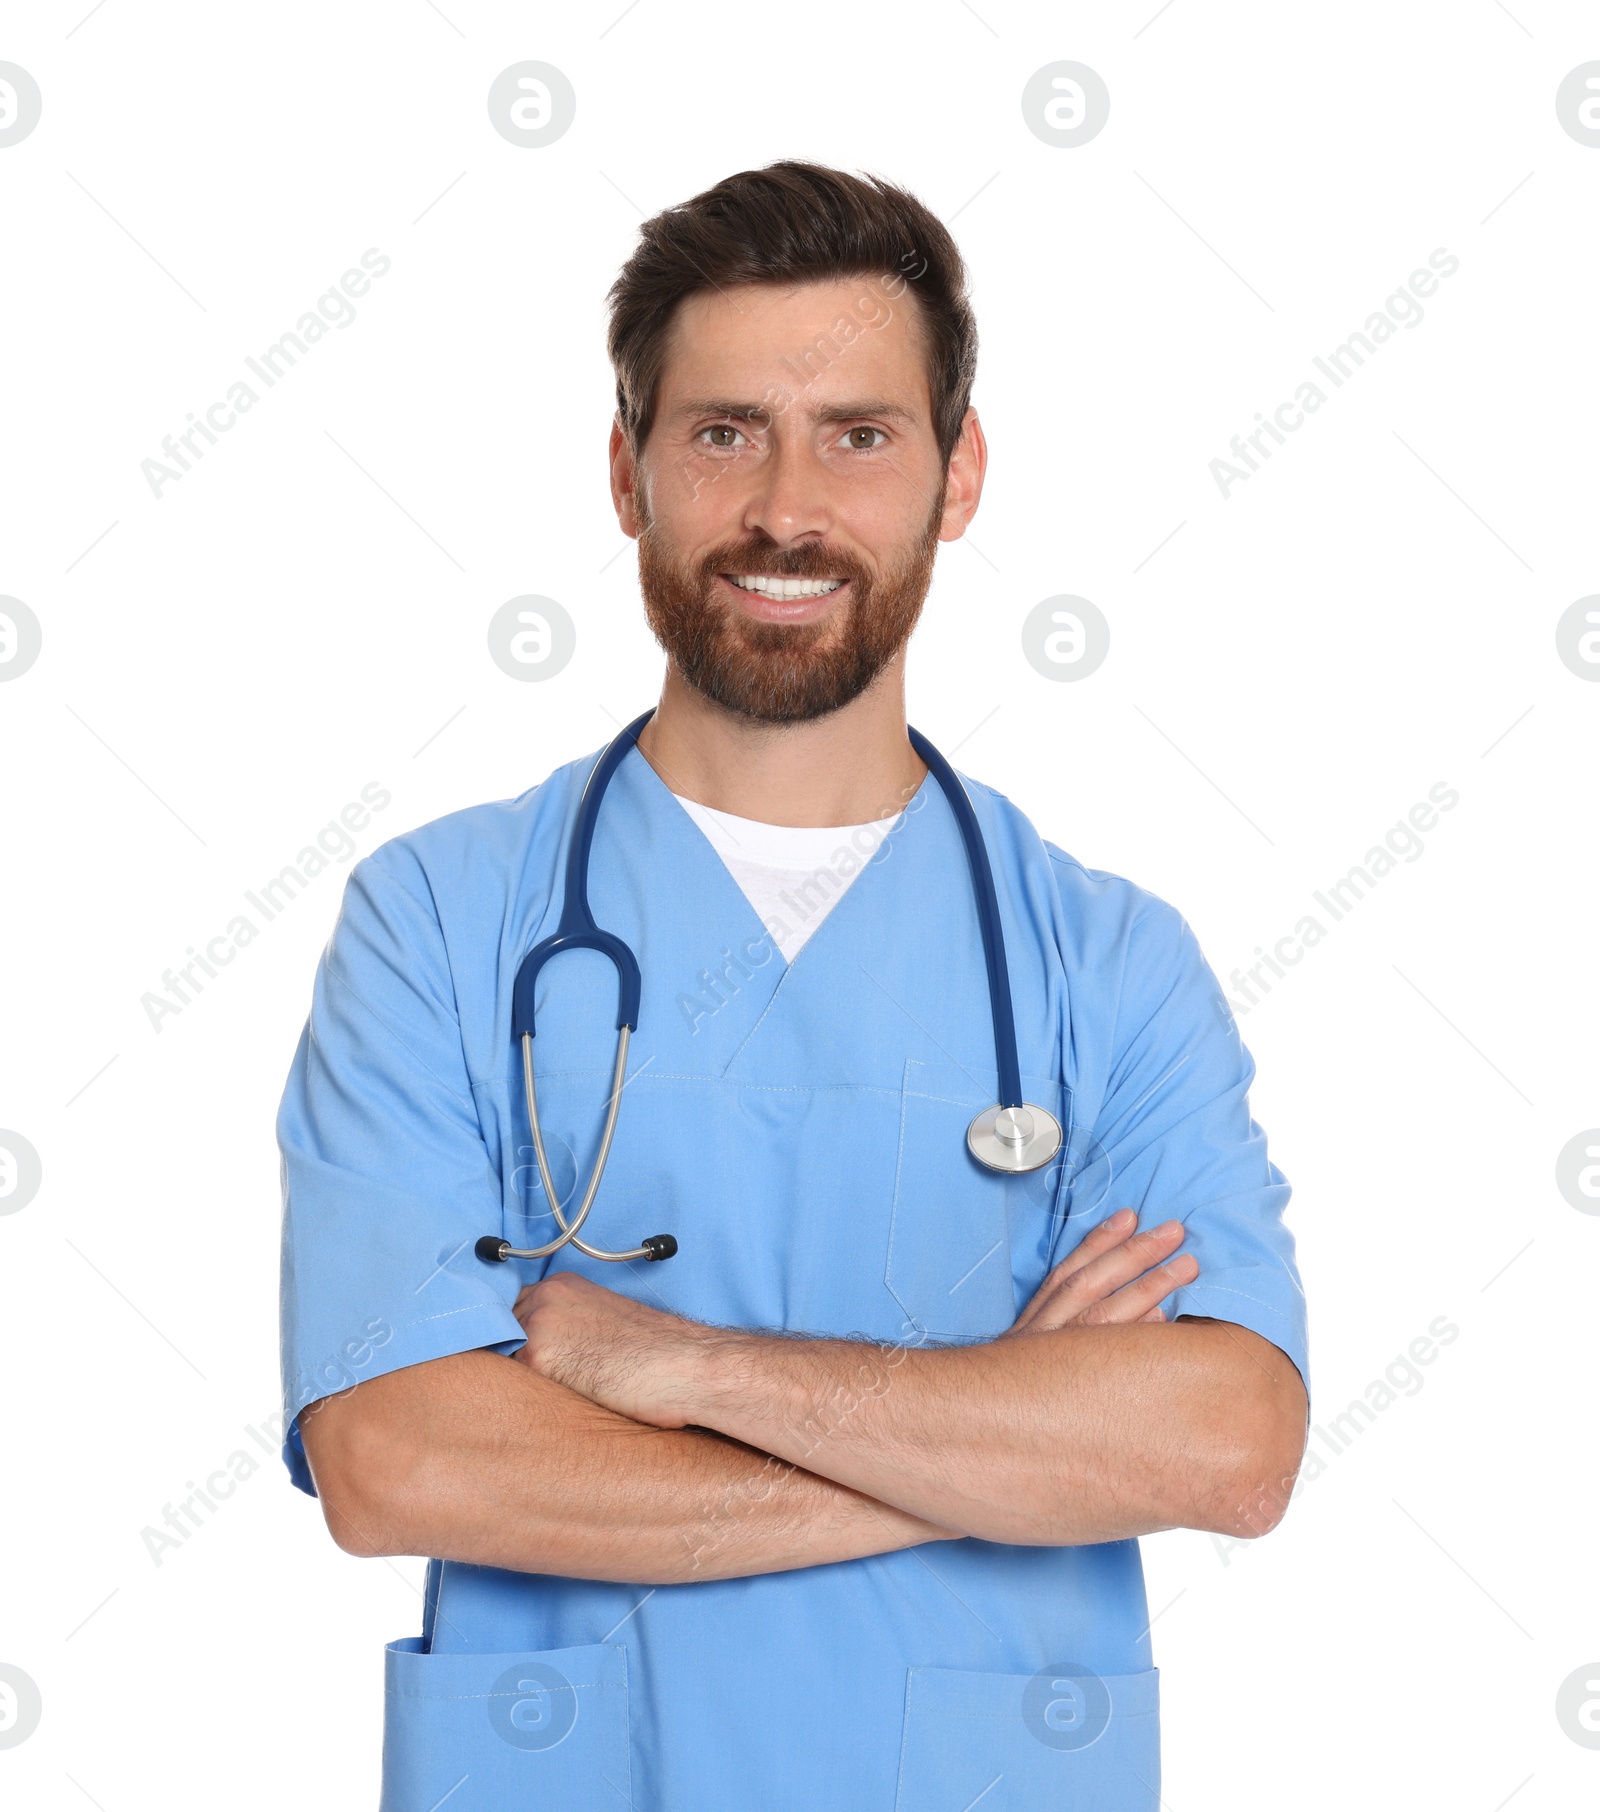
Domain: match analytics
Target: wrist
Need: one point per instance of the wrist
(702, 1370)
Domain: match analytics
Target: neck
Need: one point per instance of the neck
(851, 767)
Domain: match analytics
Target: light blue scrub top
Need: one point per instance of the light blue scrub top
(801, 1130)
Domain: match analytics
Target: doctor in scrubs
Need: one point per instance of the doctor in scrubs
(837, 1507)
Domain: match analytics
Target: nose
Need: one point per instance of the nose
(789, 501)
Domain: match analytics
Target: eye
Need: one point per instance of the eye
(718, 428)
(870, 446)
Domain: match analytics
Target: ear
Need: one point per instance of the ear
(624, 481)
(969, 460)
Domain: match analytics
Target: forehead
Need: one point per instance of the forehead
(808, 343)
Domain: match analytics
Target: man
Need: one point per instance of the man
(838, 1508)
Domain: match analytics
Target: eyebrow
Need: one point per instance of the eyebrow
(830, 412)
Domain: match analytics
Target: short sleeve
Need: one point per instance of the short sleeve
(387, 1182)
(1179, 1143)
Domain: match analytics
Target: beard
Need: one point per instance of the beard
(783, 673)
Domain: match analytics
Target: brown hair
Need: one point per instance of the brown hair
(791, 223)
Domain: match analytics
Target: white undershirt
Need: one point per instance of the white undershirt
(792, 876)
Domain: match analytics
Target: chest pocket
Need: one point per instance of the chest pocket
(967, 1246)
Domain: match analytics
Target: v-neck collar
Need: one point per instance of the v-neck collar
(706, 848)
(895, 962)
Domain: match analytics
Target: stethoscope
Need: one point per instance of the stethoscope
(1012, 1137)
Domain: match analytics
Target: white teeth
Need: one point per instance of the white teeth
(771, 586)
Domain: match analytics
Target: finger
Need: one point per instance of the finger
(1111, 1232)
(1118, 1307)
(1112, 1269)
(1135, 1300)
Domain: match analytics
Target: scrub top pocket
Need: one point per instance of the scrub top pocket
(1066, 1739)
(488, 1732)
(967, 1246)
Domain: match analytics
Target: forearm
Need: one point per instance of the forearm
(1081, 1434)
(477, 1458)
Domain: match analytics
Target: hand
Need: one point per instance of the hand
(1113, 1276)
(609, 1348)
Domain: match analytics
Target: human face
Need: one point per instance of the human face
(792, 441)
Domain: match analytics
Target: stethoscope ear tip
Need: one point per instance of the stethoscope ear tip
(491, 1250)
(659, 1245)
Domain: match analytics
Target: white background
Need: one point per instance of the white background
(1371, 613)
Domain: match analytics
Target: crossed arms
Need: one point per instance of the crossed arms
(628, 1444)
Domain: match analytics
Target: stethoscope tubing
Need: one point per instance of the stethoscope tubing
(1007, 1066)
(577, 930)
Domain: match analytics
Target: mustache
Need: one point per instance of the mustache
(809, 562)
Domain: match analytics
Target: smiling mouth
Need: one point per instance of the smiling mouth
(773, 585)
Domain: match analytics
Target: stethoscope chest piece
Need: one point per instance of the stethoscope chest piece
(1014, 1139)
